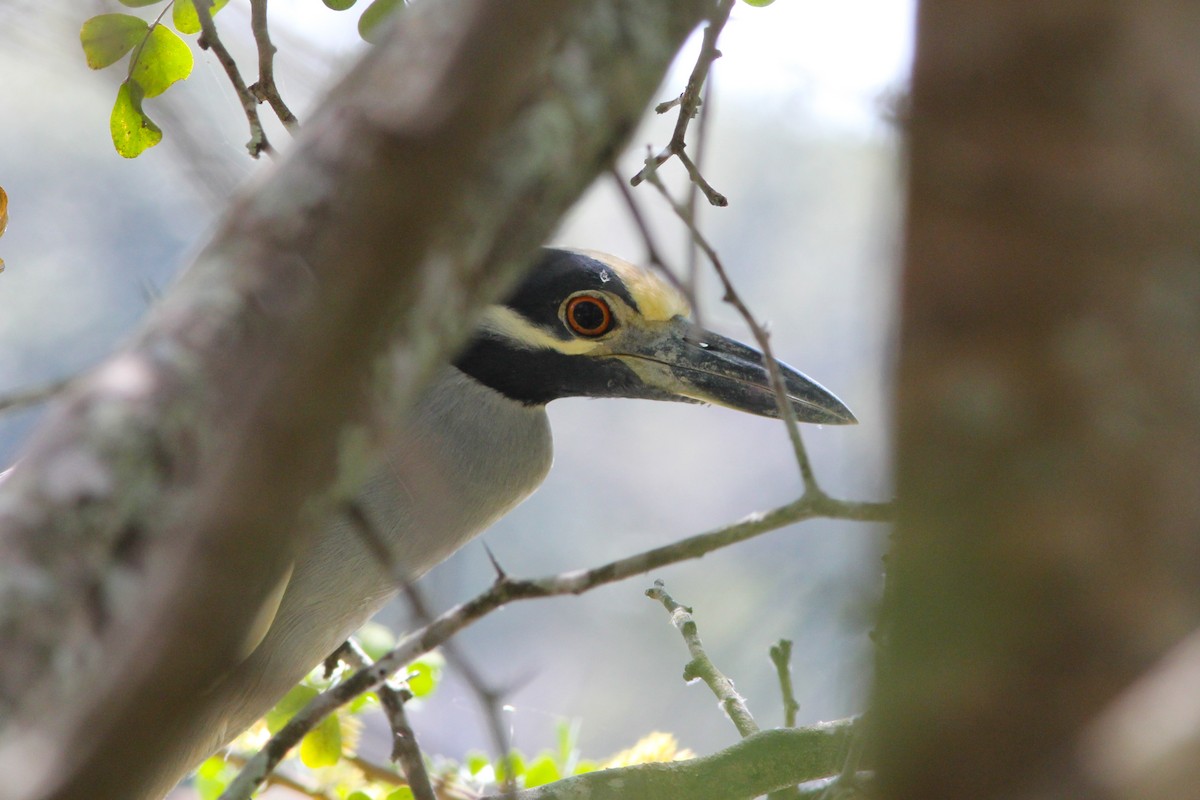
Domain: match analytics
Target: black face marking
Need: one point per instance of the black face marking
(535, 377)
(558, 275)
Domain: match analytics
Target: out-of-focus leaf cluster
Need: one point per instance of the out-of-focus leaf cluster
(327, 759)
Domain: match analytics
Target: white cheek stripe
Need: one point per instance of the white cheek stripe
(521, 332)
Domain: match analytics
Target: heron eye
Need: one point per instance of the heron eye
(588, 316)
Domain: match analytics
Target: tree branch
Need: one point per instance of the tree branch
(32, 395)
(689, 103)
(756, 765)
(211, 40)
(781, 657)
(507, 589)
(701, 666)
(264, 89)
(782, 405)
(159, 504)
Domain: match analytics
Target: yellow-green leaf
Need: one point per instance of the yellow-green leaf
(543, 770)
(108, 37)
(322, 746)
(212, 777)
(132, 131)
(185, 18)
(403, 793)
(424, 675)
(369, 27)
(164, 59)
(296, 698)
(475, 761)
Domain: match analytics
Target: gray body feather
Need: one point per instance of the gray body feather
(469, 456)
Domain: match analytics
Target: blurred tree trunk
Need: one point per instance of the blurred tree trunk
(1048, 459)
(162, 500)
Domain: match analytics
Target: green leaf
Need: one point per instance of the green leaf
(403, 793)
(109, 36)
(322, 746)
(475, 761)
(369, 27)
(297, 698)
(132, 131)
(138, 3)
(424, 675)
(515, 760)
(584, 767)
(359, 795)
(758, 3)
(212, 777)
(340, 5)
(541, 771)
(364, 701)
(164, 59)
(185, 18)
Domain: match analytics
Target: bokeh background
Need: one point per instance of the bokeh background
(798, 138)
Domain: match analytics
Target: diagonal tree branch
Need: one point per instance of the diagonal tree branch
(506, 589)
(159, 504)
(754, 766)
(701, 666)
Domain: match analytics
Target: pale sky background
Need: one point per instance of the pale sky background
(838, 55)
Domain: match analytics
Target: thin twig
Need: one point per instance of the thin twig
(31, 396)
(264, 89)
(653, 255)
(701, 666)
(693, 250)
(689, 103)
(276, 779)
(781, 657)
(211, 40)
(783, 406)
(405, 749)
(506, 590)
(490, 699)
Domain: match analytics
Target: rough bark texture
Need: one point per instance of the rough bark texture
(1049, 389)
(161, 501)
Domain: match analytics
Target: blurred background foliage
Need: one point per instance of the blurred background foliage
(797, 139)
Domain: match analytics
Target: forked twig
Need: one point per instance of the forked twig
(689, 103)
(211, 40)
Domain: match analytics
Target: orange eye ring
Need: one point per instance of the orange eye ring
(588, 315)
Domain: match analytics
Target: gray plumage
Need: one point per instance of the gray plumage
(470, 455)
